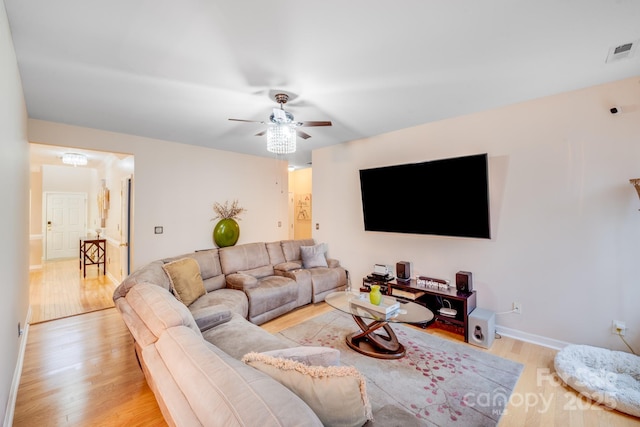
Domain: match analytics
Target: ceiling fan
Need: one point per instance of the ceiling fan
(281, 117)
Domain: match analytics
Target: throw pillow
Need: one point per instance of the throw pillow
(185, 278)
(314, 256)
(337, 394)
(309, 355)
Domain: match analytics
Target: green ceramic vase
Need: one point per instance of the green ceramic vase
(226, 232)
(375, 297)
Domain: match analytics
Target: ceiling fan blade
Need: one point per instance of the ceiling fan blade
(261, 133)
(312, 123)
(303, 135)
(248, 121)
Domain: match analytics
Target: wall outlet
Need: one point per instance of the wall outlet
(618, 328)
(517, 308)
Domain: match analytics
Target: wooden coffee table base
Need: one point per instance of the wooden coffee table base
(372, 344)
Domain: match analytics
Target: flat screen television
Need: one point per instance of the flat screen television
(447, 197)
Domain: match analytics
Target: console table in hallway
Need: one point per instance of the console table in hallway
(93, 252)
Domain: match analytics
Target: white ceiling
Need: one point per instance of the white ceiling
(178, 70)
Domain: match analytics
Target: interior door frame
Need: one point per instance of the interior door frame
(126, 221)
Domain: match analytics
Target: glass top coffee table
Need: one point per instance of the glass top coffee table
(367, 341)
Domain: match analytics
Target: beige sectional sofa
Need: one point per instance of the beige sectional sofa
(190, 344)
(271, 277)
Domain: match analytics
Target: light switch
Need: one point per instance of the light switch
(158, 230)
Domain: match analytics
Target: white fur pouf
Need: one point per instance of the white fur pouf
(610, 378)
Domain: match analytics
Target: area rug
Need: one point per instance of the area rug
(440, 382)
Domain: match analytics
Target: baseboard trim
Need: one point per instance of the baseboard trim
(15, 383)
(115, 281)
(532, 338)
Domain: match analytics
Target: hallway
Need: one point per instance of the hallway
(58, 290)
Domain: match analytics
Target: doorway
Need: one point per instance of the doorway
(65, 206)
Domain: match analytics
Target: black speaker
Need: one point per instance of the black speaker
(464, 281)
(403, 270)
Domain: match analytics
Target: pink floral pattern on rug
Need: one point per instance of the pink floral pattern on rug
(438, 381)
(432, 364)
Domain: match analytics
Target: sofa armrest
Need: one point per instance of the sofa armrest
(287, 266)
(208, 317)
(241, 281)
(333, 263)
(300, 275)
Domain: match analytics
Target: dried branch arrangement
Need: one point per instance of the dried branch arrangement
(225, 211)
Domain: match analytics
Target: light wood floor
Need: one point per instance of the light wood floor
(82, 371)
(59, 290)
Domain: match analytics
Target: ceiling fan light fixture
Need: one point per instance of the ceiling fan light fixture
(74, 159)
(280, 116)
(281, 139)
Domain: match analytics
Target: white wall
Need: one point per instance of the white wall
(565, 219)
(176, 185)
(68, 179)
(14, 217)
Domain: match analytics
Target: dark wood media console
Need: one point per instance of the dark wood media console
(434, 299)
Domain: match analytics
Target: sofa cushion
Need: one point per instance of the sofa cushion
(276, 256)
(186, 281)
(337, 394)
(243, 257)
(291, 248)
(222, 391)
(271, 293)
(158, 309)
(209, 262)
(254, 338)
(259, 272)
(309, 355)
(234, 300)
(314, 256)
(325, 279)
(241, 282)
(215, 283)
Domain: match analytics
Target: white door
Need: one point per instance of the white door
(125, 228)
(66, 223)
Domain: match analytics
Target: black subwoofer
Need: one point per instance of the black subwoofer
(403, 270)
(464, 281)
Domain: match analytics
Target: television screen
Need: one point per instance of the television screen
(448, 197)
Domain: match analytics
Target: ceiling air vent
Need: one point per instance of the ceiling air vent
(622, 51)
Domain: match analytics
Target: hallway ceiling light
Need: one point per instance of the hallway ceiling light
(74, 159)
